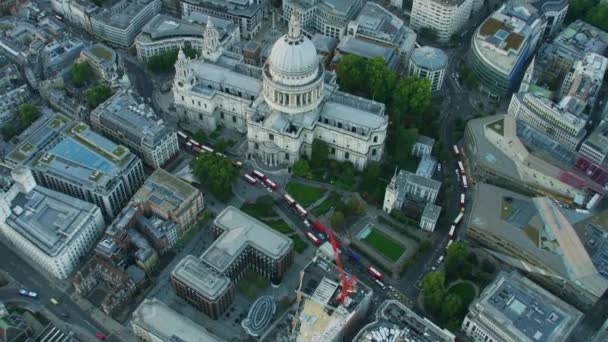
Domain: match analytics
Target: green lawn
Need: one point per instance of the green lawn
(279, 225)
(258, 211)
(331, 201)
(252, 285)
(465, 291)
(384, 245)
(299, 245)
(304, 194)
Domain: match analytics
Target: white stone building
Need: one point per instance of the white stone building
(283, 106)
(430, 63)
(126, 120)
(445, 17)
(51, 229)
(404, 185)
(423, 146)
(430, 216)
(327, 17)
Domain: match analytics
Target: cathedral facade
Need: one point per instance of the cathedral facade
(282, 107)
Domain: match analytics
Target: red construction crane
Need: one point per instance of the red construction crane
(348, 283)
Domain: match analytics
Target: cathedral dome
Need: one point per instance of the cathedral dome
(293, 59)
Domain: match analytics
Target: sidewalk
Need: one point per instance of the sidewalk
(118, 330)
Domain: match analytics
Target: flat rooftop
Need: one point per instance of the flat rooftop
(430, 58)
(539, 229)
(321, 316)
(166, 191)
(163, 26)
(240, 232)
(431, 212)
(368, 50)
(50, 220)
(358, 116)
(203, 279)
(157, 318)
(525, 310)
(404, 323)
(122, 18)
(220, 75)
(123, 112)
(242, 8)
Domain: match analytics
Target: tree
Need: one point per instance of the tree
(28, 113)
(165, 62)
(301, 168)
(97, 95)
(379, 79)
(369, 185)
(9, 130)
(488, 266)
(320, 154)
(337, 220)
(217, 173)
(356, 206)
(81, 73)
(456, 264)
(265, 204)
(577, 9)
(200, 136)
(411, 98)
(598, 16)
(452, 307)
(428, 33)
(433, 290)
(351, 77)
(472, 258)
(425, 245)
(404, 141)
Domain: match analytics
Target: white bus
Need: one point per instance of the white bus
(301, 211)
(289, 199)
(452, 231)
(461, 167)
(456, 150)
(464, 182)
(250, 179)
(207, 149)
(182, 135)
(462, 197)
(458, 218)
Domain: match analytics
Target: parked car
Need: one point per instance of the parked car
(100, 336)
(28, 293)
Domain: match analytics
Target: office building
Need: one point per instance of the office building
(582, 84)
(327, 17)
(129, 121)
(502, 45)
(170, 198)
(513, 308)
(162, 233)
(534, 236)
(120, 24)
(378, 25)
(77, 12)
(595, 147)
(10, 101)
(368, 50)
(60, 54)
(395, 321)
(154, 321)
(556, 58)
(446, 18)
(164, 33)
(430, 63)
(53, 230)
(67, 156)
(553, 119)
(242, 244)
(202, 287)
(103, 60)
(247, 14)
(319, 315)
(283, 106)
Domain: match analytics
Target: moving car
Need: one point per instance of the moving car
(100, 336)
(28, 293)
(54, 301)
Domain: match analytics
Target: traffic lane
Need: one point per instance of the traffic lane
(29, 278)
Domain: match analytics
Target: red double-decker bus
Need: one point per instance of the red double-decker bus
(374, 273)
(257, 174)
(313, 238)
(270, 184)
(318, 226)
(289, 199)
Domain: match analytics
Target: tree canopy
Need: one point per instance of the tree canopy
(166, 61)
(337, 220)
(215, 172)
(81, 73)
(301, 168)
(320, 153)
(97, 95)
(28, 113)
(433, 289)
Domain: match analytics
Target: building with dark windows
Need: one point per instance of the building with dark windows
(247, 14)
(67, 156)
(243, 244)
